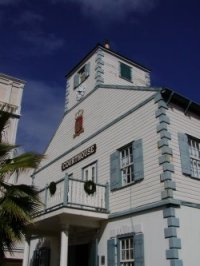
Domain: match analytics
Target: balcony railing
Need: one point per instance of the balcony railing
(70, 193)
(10, 108)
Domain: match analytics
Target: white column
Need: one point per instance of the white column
(26, 252)
(64, 248)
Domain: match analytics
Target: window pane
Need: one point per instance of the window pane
(126, 251)
(194, 150)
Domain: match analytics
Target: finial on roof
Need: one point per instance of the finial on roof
(106, 44)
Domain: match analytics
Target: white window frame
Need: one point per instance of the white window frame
(126, 251)
(127, 164)
(194, 151)
(89, 172)
(82, 74)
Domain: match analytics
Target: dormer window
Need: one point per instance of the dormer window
(125, 72)
(81, 75)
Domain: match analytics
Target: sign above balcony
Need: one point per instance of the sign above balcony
(79, 157)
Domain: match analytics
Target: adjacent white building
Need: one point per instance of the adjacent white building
(11, 91)
(121, 182)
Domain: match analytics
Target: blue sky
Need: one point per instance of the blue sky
(42, 40)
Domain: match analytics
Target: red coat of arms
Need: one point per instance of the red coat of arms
(78, 123)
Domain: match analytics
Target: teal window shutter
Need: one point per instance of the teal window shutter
(184, 153)
(125, 71)
(111, 252)
(138, 249)
(76, 80)
(87, 69)
(115, 173)
(138, 161)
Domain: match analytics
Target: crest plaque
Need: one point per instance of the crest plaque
(78, 129)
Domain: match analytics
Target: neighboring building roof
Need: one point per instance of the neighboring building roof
(12, 78)
(110, 52)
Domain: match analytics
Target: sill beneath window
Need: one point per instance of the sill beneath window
(127, 185)
(126, 79)
(194, 177)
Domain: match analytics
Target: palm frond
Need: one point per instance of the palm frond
(20, 163)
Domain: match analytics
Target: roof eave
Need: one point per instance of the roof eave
(88, 55)
(187, 104)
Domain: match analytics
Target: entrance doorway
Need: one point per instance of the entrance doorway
(79, 255)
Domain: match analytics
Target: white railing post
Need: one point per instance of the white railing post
(107, 196)
(46, 196)
(66, 189)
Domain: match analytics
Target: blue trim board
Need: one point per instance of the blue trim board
(167, 193)
(148, 207)
(170, 232)
(169, 212)
(174, 242)
(167, 175)
(176, 262)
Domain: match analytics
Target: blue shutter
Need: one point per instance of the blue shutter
(184, 153)
(87, 69)
(138, 160)
(139, 249)
(111, 252)
(76, 80)
(115, 174)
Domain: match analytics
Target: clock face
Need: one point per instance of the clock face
(80, 92)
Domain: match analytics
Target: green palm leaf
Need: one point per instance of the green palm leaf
(18, 203)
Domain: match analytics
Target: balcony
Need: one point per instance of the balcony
(70, 193)
(10, 108)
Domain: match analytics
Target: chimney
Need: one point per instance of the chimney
(107, 44)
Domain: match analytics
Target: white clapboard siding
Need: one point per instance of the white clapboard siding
(88, 84)
(140, 124)
(112, 73)
(187, 189)
(100, 108)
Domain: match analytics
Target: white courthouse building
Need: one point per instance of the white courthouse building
(121, 181)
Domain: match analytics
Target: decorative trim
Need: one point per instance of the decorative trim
(67, 95)
(166, 150)
(168, 211)
(167, 175)
(176, 262)
(173, 222)
(175, 243)
(172, 254)
(167, 193)
(98, 68)
(170, 232)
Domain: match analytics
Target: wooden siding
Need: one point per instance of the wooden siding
(112, 73)
(111, 76)
(89, 83)
(139, 124)
(187, 188)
